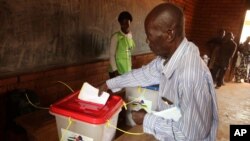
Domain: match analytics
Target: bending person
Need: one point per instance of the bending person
(184, 81)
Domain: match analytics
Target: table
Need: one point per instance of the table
(39, 125)
(136, 129)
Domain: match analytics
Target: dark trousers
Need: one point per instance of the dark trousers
(218, 74)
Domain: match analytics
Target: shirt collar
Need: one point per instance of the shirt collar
(128, 34)
(175, 59)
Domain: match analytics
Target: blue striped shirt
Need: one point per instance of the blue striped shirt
(186, 81)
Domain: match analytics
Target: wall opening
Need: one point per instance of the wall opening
(246, 27)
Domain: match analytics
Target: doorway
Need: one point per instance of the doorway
(246, 27)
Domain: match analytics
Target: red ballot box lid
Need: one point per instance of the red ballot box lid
(75, 108)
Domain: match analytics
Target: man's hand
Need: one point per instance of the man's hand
(102, 88)
(114, 74)
(138, 116)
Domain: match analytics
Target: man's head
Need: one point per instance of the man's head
(164, 27)
(229, 36)
(125, 18)
(221, 33)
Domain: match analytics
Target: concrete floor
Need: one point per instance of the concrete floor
(234, 107)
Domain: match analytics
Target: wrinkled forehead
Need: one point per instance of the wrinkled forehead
(160, 21)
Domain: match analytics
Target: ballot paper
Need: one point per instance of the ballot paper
(173, 113)
(90, 94)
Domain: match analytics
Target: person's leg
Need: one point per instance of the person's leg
(248, 69)
(220, 77)
(237, 75)
(214, 73)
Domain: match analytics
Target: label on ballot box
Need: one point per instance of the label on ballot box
(72, 136)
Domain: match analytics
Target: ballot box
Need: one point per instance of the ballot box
(80, 120)
(140, 98)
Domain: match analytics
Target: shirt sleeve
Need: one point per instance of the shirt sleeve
(162, 129)
(112, 52)
(144, 76)
(196, 123)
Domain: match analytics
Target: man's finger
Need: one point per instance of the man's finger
(99, 93)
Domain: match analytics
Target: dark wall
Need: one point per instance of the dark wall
(40, 35)
(211, 15)
(36, 35)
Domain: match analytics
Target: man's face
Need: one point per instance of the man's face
(229, 36)
(221, 33)
(125, 24)
(156, 41)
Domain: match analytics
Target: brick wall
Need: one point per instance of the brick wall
(210, 15)
(49, 90)
(46, 85)
(203, 18)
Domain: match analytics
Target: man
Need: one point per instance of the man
(183, 77)
(214, 44)
(226, 53)
(120, 47)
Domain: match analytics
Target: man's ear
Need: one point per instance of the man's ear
(169, 35)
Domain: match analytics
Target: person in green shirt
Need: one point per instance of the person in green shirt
(121, 46)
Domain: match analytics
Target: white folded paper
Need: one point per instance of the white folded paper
(173, 113)
(90, 94)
